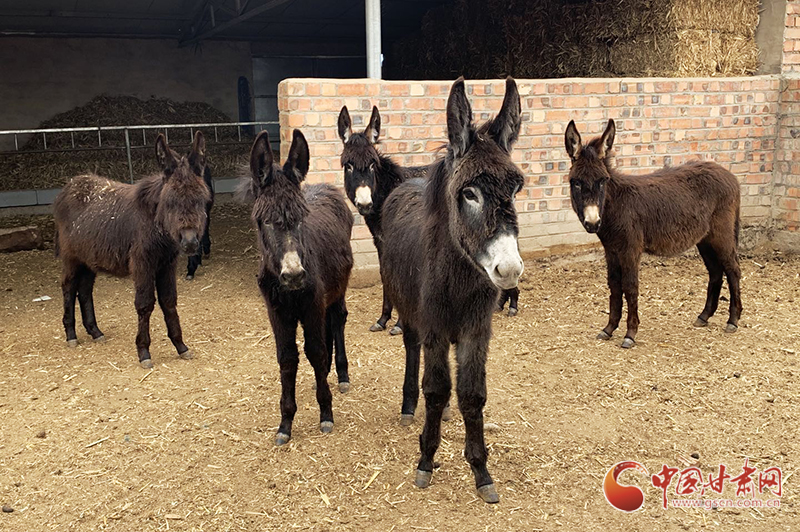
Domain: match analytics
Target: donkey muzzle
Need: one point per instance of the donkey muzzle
(363, 200)
(292, 273)
(502, 261)
(591, 218)
(189, 242)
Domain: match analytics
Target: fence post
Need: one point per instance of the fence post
(128, 150)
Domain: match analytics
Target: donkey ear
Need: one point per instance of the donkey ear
(506, 125)
(374, 128)
(459, 119)
(297, 163)
(165, 156)
(261, 160)
(345, 125)
(572, 140)
(199, 144)
(607, 140)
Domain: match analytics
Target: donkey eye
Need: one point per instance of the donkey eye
(469, 194)
(371, 167)
(348, 167)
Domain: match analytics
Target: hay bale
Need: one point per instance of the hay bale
(557, 38)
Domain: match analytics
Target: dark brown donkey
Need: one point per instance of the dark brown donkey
(369, 178)
(663, 213)
(304, 238)
(137, 230)
(451, 244)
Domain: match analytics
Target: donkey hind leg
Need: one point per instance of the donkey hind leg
(144, 301)
(193, 263)
(314, 345)
(168, 301)
(471, 390)
(338, 317)
(714, 283)
(630, 287)
(513, 294)
(436, 385)
(288, 357)
(730, 263)
(615, 298)
(205, 242)
(69, 289)
(86, 299)
(386, 314)
(411, 378)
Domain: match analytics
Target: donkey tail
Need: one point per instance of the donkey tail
(736, 225)
(57, 246)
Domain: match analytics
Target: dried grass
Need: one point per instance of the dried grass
(558, 38)
(25, 170)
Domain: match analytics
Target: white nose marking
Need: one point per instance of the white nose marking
(291, 263)
(502, 261)
(363, 196)
(591, 214)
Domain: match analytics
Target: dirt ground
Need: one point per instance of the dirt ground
(91, 441)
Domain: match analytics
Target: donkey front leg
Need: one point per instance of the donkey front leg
(615, 299)
(471, 390)
(144, 301)
(630, 287)
(285, 331)
(386, 314)
(168, 301)
(436, 385)
(336, 317)
(69, 289)
(86, 299)
(314, 345)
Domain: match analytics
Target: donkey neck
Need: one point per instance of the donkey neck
(148, 193)
(390, 175)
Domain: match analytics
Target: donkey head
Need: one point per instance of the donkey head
(280, 208)
(181, 209)
(482, 184)
(589, 174)
(360, 160)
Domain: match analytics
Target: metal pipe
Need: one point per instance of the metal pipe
(373, 20)
(122, 128)
(128, 153)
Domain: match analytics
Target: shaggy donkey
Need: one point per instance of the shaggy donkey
(663, 213)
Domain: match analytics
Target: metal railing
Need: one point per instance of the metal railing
(130, 144)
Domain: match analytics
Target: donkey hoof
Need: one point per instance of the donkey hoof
(189, 277)
(489, 494)
(512, 312)
(627, 343)
(326, 427)
(700, 322)
(376, 327)
(396, 330)
(447, 413)
(100, 339)
(281, 439)
(72, 343)
(423, 478)
(344, 387)
(731, 328)
(603, 336)
(187, 355)
(406, 419)
(147, 363)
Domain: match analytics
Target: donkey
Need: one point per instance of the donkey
(663, 213)
(453, 245)
(136, 230)
(304, 238)
(205, 242)
(369, 178)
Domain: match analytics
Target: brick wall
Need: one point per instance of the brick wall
(786, 188)
(733, 121)
(791, 38)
